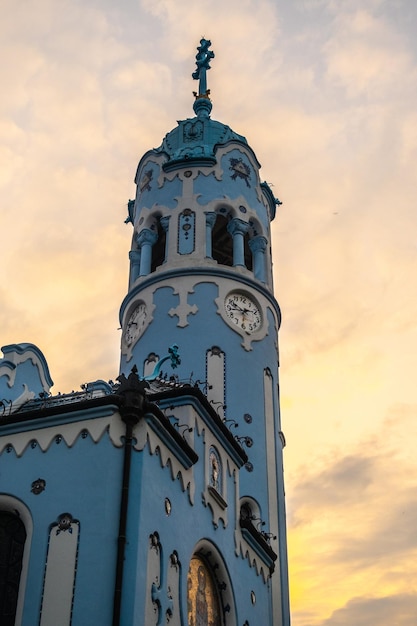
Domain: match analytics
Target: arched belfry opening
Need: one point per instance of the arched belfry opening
(222, 242)
(159, 248)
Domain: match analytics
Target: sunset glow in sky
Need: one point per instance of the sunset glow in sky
(325, 91)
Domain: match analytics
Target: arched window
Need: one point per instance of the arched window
(210, 598)
(250, 513)
(203, 604)
(12, 543)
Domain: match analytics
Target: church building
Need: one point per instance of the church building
(159, 498)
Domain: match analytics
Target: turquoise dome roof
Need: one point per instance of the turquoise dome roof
(194, 140)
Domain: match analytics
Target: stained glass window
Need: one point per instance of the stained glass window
(202, 598)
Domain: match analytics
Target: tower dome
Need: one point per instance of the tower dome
(200, 201)
(194, 140)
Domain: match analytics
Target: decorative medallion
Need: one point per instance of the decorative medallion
(168, 506)
(174, 560)
(38, 486)
(193, 132)
(240, 169)
(64, 523)
(154, 541)
(216, 351)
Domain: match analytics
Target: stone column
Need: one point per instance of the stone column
(164, 221)
(257, 246)
(134, 256)
(238, 228)
(145, 240)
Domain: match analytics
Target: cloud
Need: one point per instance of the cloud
(359, 55)
(352, 519)
(399, 609)
(342, 482)
(325, 93)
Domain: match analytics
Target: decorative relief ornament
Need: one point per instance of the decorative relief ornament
(240, 169)
(215, 470)
(38, 486)
(145, 181)
(168, 506)
(64, 523)
(193, 131)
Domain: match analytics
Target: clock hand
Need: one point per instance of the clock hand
(236, 307)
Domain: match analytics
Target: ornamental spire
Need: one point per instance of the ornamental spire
(202, 104)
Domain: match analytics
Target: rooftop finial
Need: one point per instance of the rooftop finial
(202, 58)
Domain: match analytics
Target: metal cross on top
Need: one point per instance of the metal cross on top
(202, 58)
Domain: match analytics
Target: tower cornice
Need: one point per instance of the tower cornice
(211, 273)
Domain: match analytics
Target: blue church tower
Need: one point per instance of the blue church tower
(159, 498)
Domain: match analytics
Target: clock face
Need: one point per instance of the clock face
(243, 312)
(135, 324)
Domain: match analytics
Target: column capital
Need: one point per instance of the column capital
(164, 221)
(236, 226)
(211, 217)
(146, 236)
(134, 255)
(258, 244)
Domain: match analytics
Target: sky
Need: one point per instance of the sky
(326, 93)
